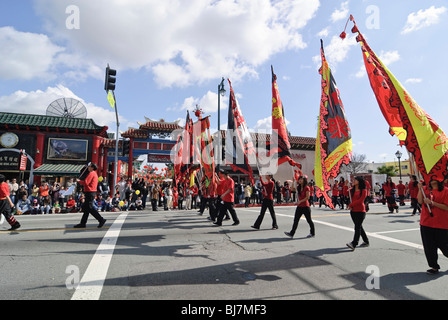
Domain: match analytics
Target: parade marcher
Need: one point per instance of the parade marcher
(227, 198)
(401, 192)
(6, 205)
(358, 212)
(90, 189)
(268, 203)
(413, 192)
(434, 222)
(389, 191)
(303, 208)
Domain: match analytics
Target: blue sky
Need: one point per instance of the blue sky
(171, 55)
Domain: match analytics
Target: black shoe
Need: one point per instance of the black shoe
(236, 223)
(254, 227)
(101, 224)
(289, 234)
(217, 224)
(15, 226)
(80, 226)
(432, 271)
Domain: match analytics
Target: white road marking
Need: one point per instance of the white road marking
(373, 235)
(93, 280)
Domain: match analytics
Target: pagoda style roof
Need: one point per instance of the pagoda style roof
(302, 143)
(33, 122)
(160, 126)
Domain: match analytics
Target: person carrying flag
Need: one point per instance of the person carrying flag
(268, 203)
(6, 205)
(227, 198)
(303, 208)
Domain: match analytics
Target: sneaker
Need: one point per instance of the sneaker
(254, 227)
(432, 271)
(364, 245)
(274, 227)
(101, 224)
(15, 226)
(235, 223)
(310, 236)
(351, 246)
(289, 234)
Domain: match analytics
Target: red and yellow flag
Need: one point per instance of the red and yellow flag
(334, 139)
(415, 129)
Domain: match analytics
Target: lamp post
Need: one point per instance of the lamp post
(398, 155)
(221, 93)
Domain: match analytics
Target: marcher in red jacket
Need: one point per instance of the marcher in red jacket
(434, 222)
(90, 187)
(358, 212)
(268, 203)
(389, 192)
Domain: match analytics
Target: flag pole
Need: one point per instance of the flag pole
(419, 177)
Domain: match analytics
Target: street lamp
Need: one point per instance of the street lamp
(221, 93)
(398, 155)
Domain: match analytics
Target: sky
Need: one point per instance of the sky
(171, 56)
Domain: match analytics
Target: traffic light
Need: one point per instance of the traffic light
(126, 147)
(111, 79)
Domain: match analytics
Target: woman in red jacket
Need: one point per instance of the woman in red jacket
(413, 192)
(358, 212)
(389, 192)
(90, 187)
(303, 208)
(434, 222)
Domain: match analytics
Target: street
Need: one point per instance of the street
(179, 255)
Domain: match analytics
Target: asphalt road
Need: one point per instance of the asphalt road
(179, 255)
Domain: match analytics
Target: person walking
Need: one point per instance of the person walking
(268, 203)
(227, 198)
(6, 204)
(357, 208)
(90, 189)
(413, 192)
(389, 191)
(303, 208)
(434, 222)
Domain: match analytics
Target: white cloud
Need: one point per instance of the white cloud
(208, 103)
(324, 33)
(182, 42)
(336, 51)
(36, 102)
(389, 57)
(265, 125)
(414, 80)
(341, 13)
(26, 55)
(423, 19)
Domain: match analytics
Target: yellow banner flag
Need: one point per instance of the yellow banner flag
(110, 98)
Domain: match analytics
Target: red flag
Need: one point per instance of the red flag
(421, 135)
(334, 141)
(240, 149)
(279, 139)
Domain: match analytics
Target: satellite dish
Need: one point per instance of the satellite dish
(67, 108)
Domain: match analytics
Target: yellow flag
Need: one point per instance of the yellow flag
(110, 98)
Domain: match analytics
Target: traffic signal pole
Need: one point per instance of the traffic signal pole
(116, 146)
(110, 86)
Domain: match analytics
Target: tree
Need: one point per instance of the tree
(388, 170)
(357, 165)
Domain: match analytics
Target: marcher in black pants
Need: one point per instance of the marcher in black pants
(303, 208)
(268, 203)
(358, 212)
(227, 198)
(90, 188)
(434, 222)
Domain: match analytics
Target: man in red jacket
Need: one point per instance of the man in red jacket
(90, 188)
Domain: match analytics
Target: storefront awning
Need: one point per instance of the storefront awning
(58, 170)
